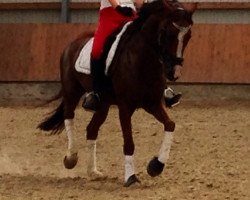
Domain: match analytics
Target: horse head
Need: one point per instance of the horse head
(174, 33)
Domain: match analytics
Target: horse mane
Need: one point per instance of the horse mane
(145, 11)
(155, 7)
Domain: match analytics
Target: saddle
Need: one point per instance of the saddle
(82, 63)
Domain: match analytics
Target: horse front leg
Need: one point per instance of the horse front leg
(92, 133)
(156, 165)
(128, 149)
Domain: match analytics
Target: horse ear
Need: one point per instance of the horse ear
(190, 7)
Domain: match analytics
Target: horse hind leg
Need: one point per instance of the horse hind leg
(70, 103)
(92, 133)
(71, 158)
(72, 92)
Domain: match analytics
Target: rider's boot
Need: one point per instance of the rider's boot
(91, 101)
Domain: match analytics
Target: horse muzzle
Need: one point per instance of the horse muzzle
(177, 72)
(173, 67)
(174, 73)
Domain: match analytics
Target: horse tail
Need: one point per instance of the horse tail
(55, 122)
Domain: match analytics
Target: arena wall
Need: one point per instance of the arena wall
(32, 39)
(216, 53)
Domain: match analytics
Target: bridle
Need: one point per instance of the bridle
(171, 60)
(183, 31)
(168, 60)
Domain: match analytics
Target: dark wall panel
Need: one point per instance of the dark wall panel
(216, 53)
(31, 52)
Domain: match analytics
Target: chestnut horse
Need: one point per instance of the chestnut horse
(149, 52)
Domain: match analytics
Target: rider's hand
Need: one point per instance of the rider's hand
(125, 11)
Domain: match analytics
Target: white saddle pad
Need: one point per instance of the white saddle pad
(82, 64)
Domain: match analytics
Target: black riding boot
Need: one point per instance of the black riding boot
(92, 100)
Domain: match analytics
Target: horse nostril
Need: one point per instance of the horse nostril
(177, 73)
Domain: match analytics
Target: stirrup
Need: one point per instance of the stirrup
(91, 102)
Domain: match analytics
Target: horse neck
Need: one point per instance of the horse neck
(147, 41)
(149, 31)
(144, 40)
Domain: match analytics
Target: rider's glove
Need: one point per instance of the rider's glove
(125, 11)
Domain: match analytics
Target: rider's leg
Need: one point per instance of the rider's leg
(109, 21)
(92, 99)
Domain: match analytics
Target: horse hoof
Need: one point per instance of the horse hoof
(155, 167)
(131, 180)
(96, 175)
(70, 161)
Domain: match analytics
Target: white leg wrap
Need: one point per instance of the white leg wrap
(165, 147)
(129, 167)
(69, 126)
(91, 144)
(92, 171)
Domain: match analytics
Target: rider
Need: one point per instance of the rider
(112, 15)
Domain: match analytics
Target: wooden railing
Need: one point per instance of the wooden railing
(95, 5)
